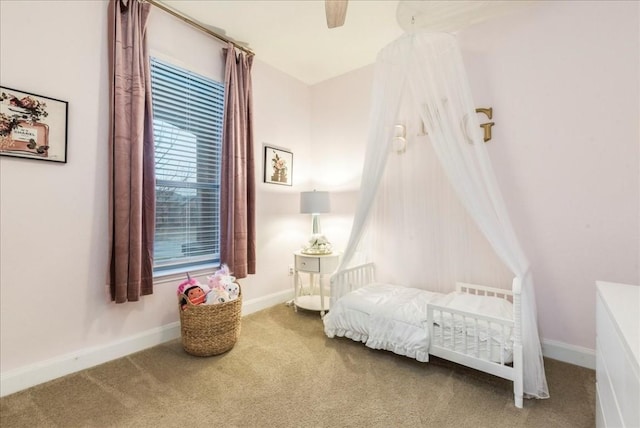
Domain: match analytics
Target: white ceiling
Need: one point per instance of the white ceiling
(292, 35)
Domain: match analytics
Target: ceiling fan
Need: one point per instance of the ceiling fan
(336, 11)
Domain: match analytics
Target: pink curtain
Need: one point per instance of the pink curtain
(132, 180)
(237, 195)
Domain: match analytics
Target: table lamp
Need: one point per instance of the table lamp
(315, 203)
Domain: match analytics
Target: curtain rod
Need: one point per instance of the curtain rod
(197, 25)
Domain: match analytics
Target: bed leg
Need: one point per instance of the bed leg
(518, 381)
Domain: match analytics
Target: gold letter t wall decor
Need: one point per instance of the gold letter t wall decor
(486, 126)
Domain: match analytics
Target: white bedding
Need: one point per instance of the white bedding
(394, 318)
(384, 316)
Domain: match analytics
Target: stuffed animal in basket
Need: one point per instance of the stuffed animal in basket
(192, 290)
(217, 295)
(223, 286)
(233, 289)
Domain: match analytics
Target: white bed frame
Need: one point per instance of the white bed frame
(358, 276)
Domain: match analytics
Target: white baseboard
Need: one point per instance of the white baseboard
(572, 354)
(35, 374)
(255, 305)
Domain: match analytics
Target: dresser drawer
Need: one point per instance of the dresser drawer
(308, 264)
(607, 413)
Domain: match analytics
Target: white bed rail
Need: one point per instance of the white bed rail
(350, 279)
(480, 341)
(478, 336)
(482, 290)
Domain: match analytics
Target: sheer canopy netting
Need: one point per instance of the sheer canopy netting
(430, 211)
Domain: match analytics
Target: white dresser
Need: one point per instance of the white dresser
(617, 355)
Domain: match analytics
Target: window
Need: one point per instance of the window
(187, 125)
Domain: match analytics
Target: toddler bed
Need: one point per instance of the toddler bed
(475, 326)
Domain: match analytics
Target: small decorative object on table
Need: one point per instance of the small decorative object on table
(318, 244)
(210, 314)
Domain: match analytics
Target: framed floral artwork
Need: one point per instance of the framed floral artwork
(278, 166)
(32, 126)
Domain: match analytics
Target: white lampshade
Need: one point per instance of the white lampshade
(314, 202)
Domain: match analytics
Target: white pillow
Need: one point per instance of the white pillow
(485, 305)
(474, 304)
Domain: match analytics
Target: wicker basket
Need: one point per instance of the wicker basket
(210, 329)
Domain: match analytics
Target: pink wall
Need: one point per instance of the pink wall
(562, 78)
(563, 81)
(54, 307)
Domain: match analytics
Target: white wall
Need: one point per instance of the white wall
(55, 313)
(562, 78)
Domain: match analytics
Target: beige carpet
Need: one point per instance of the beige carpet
(283, 372)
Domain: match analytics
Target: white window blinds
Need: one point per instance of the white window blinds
(187, 125)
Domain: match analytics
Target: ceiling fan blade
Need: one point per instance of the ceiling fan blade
(336, 11)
